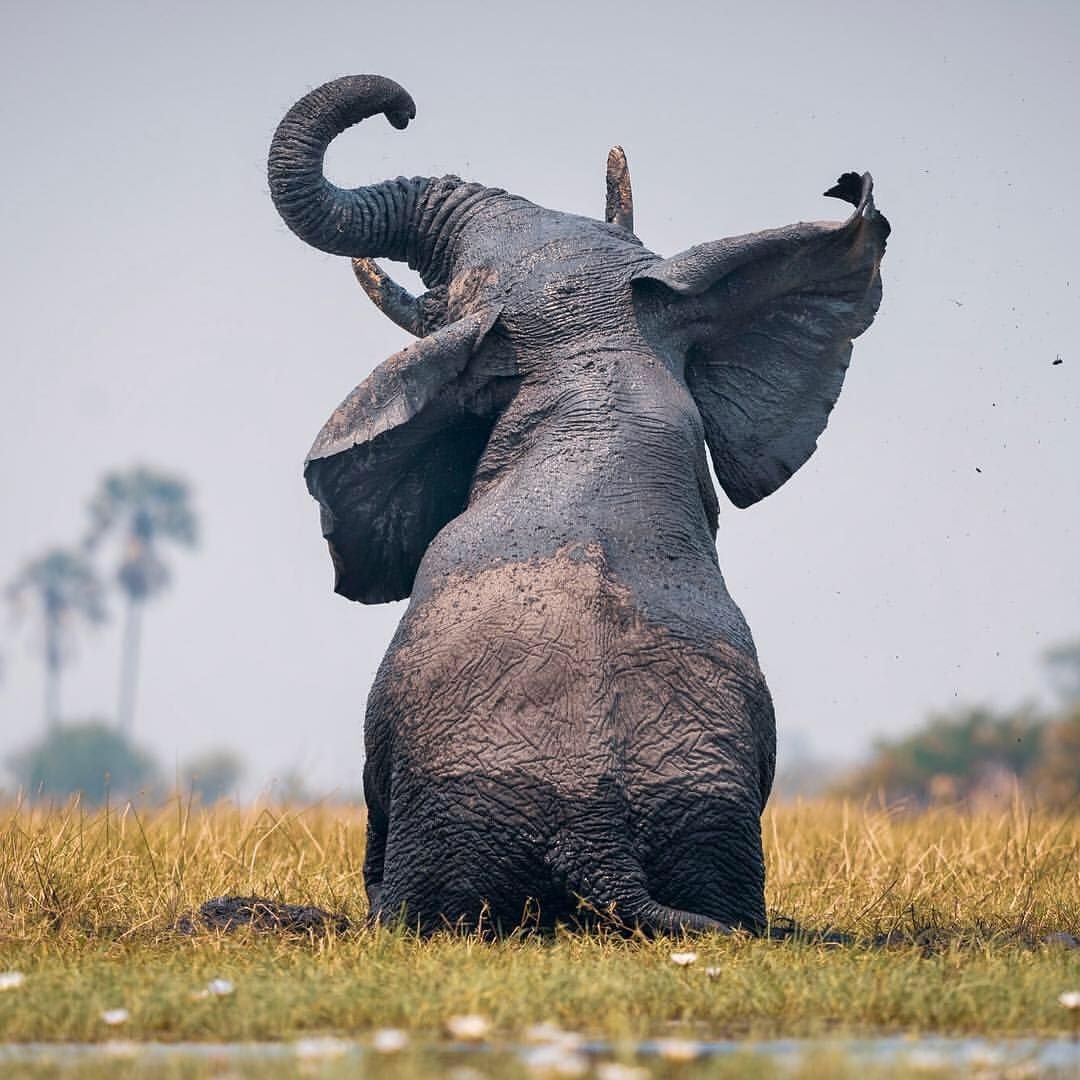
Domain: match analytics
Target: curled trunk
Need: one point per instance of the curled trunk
(372, 221)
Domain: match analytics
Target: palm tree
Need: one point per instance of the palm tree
(139, 507)
(65, 590)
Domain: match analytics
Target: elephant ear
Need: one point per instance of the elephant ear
(770, 318)
(395, 462)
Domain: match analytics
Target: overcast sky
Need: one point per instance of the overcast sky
(158, 312)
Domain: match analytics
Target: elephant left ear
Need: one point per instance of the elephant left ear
(395, 462)
(767, 322)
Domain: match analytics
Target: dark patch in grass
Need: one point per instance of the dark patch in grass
(231, 912)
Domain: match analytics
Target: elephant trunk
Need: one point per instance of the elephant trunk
(375, 221)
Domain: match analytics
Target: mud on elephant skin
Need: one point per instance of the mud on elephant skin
(572, 709)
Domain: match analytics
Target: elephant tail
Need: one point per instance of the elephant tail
(653, 918)
(610, 885)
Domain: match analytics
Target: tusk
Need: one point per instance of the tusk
(387, 295)
(417, 314)
(620, 199)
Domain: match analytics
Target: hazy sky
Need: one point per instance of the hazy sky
(157, 311)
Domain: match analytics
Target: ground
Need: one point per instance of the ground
(971, 902)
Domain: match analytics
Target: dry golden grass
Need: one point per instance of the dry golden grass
(88, 903)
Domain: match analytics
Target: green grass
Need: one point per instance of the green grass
(88, 901)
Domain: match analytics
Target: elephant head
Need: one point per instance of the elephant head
(759, 328)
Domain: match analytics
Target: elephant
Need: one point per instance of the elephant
(571, 721)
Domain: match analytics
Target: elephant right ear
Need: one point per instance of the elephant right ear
(766, 323)
(395, 462)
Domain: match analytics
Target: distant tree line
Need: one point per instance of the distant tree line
(95, 760)
(983, 756)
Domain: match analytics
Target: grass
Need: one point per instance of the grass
(88, 901)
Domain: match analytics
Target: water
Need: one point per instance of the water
(565, 1056)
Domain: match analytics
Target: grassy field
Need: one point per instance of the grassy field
(88, 901)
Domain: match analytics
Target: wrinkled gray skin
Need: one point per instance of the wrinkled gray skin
(571, 710)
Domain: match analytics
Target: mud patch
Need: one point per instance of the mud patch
(232, 912)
